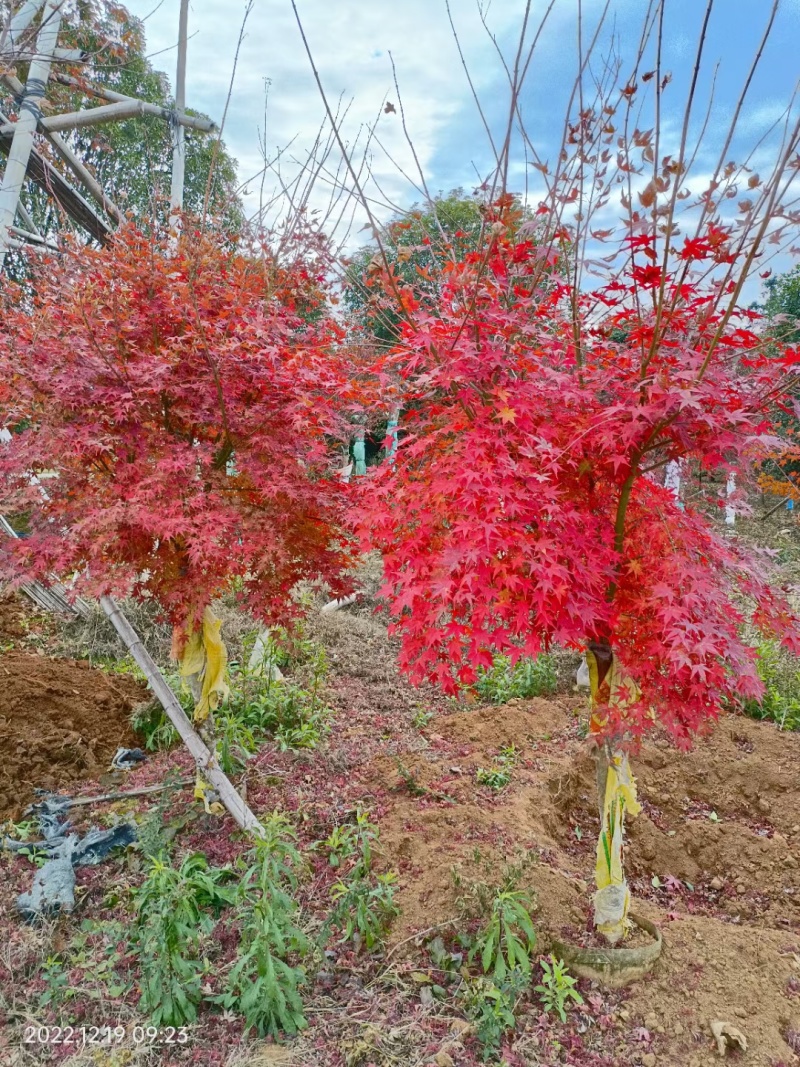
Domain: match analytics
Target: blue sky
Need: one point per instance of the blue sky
(351, 41)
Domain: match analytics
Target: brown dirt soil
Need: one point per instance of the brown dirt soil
(714, 859)
(61, 721)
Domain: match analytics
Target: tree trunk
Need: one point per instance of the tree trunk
(616, 795)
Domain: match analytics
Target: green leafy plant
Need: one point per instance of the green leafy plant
(264, 982)
(236, 742)
(557, 987)
(153, 725)
(57, 985)
(365, 905)
(363, 902)
(779, 670)
(340, 844)
(171, 920)
(350, 838)
(508, 940)
(294, 716)
(498, 776)
(526, 678)
(491, 1006)
(446, 961)
(421, 718)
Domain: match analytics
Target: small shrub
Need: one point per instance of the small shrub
(526, 678)
(264, 982)
(508, 940)
(780, 672)
(491, 1006)
(557, 987)
(171, 918)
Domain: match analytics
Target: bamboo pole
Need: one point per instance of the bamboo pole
(25, 127)
(206, 762)
(192, 122)
(178, 132)
(126, 108)
(17, 25)
(75, 164)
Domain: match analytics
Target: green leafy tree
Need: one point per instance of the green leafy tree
(131, 158)
(782, 306)
(416, 245)
(780, 473)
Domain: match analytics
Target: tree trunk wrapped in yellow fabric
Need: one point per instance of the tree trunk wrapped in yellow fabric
(616, 794)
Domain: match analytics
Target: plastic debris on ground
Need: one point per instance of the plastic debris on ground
(53, 889)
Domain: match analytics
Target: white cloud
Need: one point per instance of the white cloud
(351, 42)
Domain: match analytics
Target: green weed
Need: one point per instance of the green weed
(491, 1006)
(526, 678)
(557, 987)
(498, 776)
(421, 718)
(508, 940)
(172, 916)
(264, 982)
(365, 905)
(363, 902)
(780, 672)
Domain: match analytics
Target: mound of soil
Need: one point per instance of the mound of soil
(714, 859)
(60, 721)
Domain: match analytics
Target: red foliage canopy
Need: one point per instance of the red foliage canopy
(175, 413)
(522, 508)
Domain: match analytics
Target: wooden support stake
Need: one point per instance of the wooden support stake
(206, 762)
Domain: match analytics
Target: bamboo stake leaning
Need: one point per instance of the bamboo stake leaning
(205, 760)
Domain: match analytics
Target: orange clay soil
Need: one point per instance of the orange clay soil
(714, 858)
(61, 721)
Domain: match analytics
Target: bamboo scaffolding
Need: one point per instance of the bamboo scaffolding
(24, 129)
(193, 122)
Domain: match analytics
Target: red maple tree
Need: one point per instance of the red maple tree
(171, 416)
(521, 509)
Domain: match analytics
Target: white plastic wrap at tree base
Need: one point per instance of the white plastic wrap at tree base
(611, 904)
(582, 675)
(262, 659)
(730, 489)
